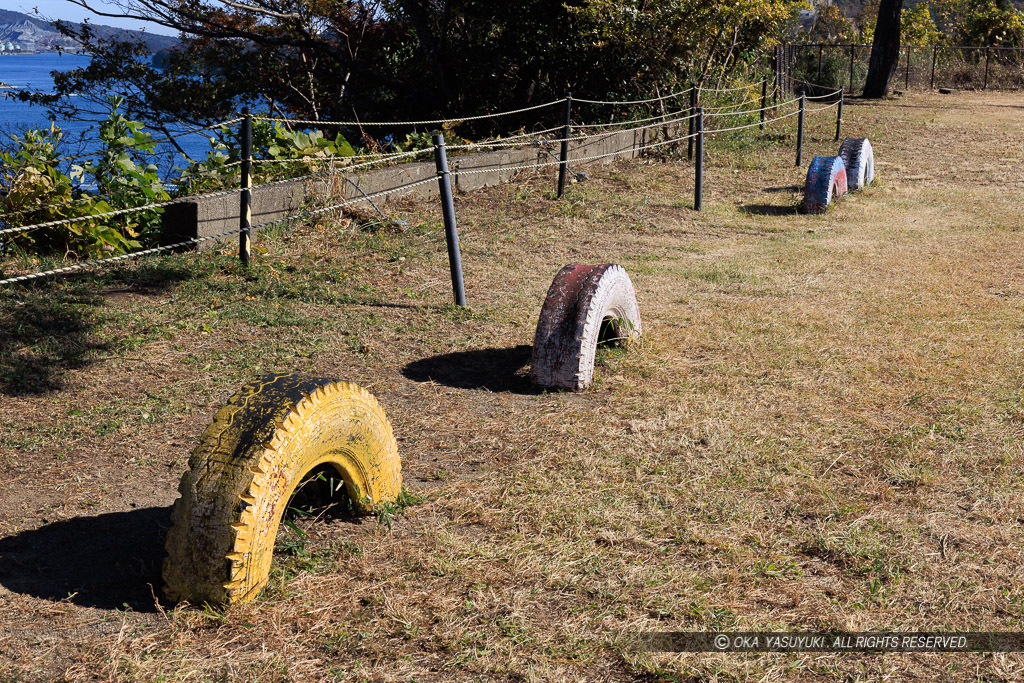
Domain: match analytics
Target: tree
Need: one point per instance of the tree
(918, 28)
(413, 59)
(985, 23)
(831, 26)
(885, 49)
(866, 18)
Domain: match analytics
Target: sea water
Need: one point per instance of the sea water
(33, 72)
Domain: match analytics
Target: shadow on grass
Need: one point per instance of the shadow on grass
(783, 188)
(770, 210)
(491, 369)
(106, 561)
(49, 326)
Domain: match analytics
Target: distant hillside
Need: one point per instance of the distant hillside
(33, 34)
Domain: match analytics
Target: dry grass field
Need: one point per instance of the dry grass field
(822, 428)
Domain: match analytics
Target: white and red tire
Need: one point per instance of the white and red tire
(826, 181)
(581, 302)
(859, 159)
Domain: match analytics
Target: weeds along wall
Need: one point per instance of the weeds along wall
(330, 183)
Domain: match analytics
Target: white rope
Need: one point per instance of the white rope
(197, 240)
(156, 142)
(750, 125)
(592, 136)
(118, 212)
(740, 87)
(827, 106)
(624, 123)
(821, 97)
(45, 207)
(730, 106)
(122, 257)
(653, 99)
(408, 123)
(751, 111)
(812, 85)
(334, 207)
(509, 141)
(576, 160)
(181, 200)
(375, 158)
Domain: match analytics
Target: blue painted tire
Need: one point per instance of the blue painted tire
(860, 162)
(826, 181)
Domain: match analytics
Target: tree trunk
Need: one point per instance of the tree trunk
(885, 51)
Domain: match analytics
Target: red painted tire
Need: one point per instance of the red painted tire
(585, 305)
(859, 159)
(826, 181)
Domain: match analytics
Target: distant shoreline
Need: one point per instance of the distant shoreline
(42, 52)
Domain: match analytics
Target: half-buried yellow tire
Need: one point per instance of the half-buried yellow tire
(248, 463)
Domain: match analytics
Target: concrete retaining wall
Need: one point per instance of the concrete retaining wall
(206, 217)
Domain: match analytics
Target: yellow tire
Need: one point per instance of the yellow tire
(248, 464)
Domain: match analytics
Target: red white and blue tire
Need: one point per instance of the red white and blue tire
(826, 181)
(860, 162)
(582, 302)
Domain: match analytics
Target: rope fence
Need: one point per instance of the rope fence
(694, 117)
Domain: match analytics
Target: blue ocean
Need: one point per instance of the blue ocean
(33, 72)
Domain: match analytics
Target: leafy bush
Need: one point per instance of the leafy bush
(38, 186)
(298, 151)
(34, 190)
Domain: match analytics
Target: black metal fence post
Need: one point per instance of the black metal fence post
(775, 70)
(245, 202)
(800, 130)
(563, 158)
(451, 231)
(853, 57)
(988, 51)
(764, 100)
(698, 180)
(693, 114)
(776, 86)
(906, 80)
(839, 114)
(790, 66)
(935, 50)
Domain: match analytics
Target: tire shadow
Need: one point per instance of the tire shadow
(50, 329)
(107, 561)
(783, 188)
(497, 370)
(770, 210)
(47, 334)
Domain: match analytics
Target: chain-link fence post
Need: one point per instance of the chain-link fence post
(764, 100)
(853, 57)
(935, 51)
(906, 80)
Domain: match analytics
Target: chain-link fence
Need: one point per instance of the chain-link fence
(920, 67)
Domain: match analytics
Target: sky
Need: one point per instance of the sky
(62, 9)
